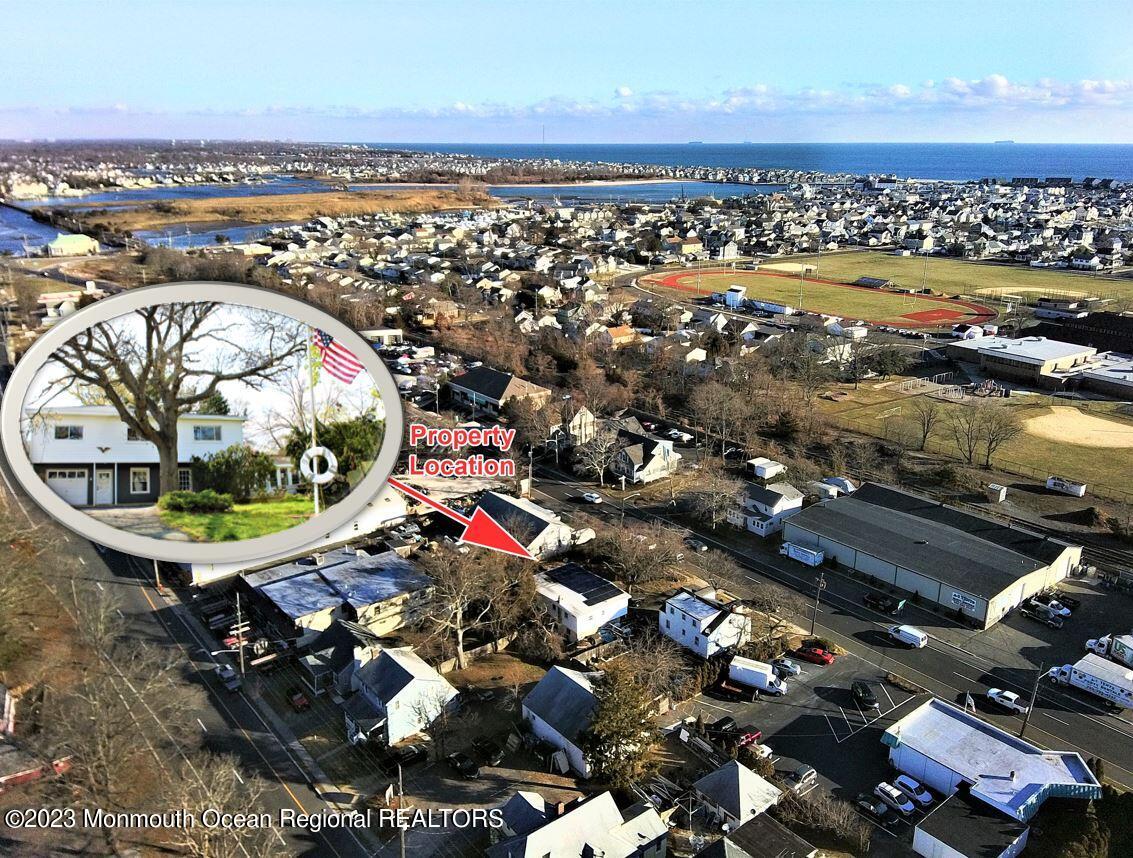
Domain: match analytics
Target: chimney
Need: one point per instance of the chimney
(1012, 776)
(319, 557)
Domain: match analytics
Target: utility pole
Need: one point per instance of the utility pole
(240, 632)
(819, 587)
(1034, 695)
(400, 801)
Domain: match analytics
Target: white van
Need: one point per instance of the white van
(909, 636)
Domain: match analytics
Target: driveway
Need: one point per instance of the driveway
(142, 520)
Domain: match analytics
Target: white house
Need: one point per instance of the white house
(643, 459)
(580, 601)
(734, 793)
(763, 508)
(701, 623)
(395, 696)
(88, 456)
(539, 530)
(559, 709)
(594, 825)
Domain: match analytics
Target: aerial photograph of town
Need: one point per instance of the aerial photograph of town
(661, 429)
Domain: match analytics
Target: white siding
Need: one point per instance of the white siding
(104, 440)
(549, 734)
(929, 772)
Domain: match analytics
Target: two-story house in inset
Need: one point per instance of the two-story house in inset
(89, 457)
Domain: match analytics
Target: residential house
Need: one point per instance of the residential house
(580, 601)
(559, 709)
(733, 794)
(396, 695)
(88, 456)
(763, 508)
(539, 530)
(642, 459)
(590, 826)
(487, 389)
(700, 622)
(380, 592)
(759, 837)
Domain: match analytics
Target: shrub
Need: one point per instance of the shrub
(197, 502)
(238, 470)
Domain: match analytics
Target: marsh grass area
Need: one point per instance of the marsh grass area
(273, 208)
(243, 521)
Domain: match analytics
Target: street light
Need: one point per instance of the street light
(817, 594)
(624, 499)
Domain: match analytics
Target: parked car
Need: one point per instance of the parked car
(1042, 615)
(1065, 598)
(464, 765)
(482, 695)
(407, 755)
(785, 667)
(298, 699)
(802, 777)
(489, 752)
(815, 655)
(914, 789)
(881, 602)
(863, 695)
(1008, 700)
(879, 811)
(696, 545)
(229, 677)
(727, 724)
(591, 497)
(764, 752)
(894, 798)
(1052, 605)
(727, 693)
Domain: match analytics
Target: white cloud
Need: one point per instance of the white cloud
(623, 92)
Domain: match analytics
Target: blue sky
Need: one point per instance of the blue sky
(660, 71)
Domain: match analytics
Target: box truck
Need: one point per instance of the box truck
(756, 674)
(1109, 681)
(1066, 487)
(1117, 647)
(804, 555)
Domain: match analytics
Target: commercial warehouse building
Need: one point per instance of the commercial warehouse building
(973, 565)
(994, 782)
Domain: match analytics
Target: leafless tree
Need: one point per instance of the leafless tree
(657, 663)
(927, 414)
(597, 454)
(161, 361)
(999, 425)
(714, 493)
(965, 428)
(637, 554)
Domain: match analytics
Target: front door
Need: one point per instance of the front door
(104, 487)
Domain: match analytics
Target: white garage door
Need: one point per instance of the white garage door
(69, 484)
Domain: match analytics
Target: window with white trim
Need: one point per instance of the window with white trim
(132, 434)
(68, 433)
(206, 433)
(184, 480)
(139, 481)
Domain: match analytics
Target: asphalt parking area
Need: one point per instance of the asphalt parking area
(817, 723)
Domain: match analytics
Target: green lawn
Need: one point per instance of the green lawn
(244, 521)
(874, 305)
(956, 277)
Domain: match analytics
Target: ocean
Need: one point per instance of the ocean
(954, 161)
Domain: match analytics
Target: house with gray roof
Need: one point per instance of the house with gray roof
(734, 793)
(978, 567)
(699, 621)
(762, 509)
(559, 709)
(539, 530)
(395, 696)
(485, 389)
(643, 459)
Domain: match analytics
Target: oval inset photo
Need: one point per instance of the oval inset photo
(204, 421)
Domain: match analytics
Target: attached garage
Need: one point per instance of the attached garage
(973, 566)
(71, 484)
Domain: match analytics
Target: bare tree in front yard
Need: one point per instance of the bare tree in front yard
(158, 363)
(715, 493)
(597, 454)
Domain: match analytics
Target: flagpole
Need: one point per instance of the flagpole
(314, 413)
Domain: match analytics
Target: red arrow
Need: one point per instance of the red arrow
(481, 529)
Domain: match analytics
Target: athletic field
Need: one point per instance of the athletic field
(822, 295)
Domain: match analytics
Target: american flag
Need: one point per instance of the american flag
(338, 360)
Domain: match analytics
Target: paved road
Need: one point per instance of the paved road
(1062, 720)
(230, 723)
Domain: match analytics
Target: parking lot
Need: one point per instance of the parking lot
(818, 723)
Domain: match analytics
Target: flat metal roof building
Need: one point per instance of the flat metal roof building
(971, 564)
